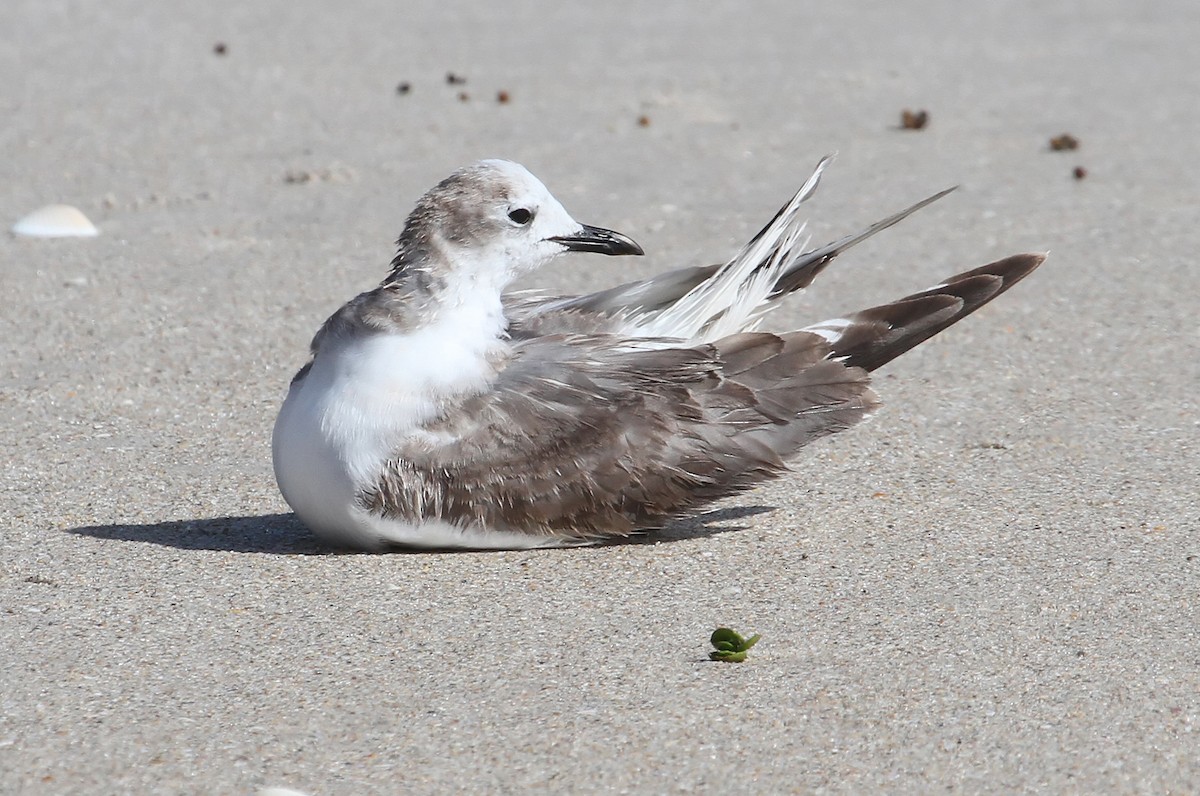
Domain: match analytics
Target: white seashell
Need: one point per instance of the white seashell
(56, 221)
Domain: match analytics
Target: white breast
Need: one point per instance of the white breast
(363, 395)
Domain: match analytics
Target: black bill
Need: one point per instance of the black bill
(599, 240)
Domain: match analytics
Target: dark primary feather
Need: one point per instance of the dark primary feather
(805, 270)
(878, 335)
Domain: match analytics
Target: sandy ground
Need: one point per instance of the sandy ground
(991, 587)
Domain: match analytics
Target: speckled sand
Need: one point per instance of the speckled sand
(991, 587)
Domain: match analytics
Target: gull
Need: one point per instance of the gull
(440, 411)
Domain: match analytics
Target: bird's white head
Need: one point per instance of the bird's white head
(494, 221)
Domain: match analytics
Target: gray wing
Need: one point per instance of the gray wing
(583, 438)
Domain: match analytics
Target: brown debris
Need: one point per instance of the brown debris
(299, 177)
(502, 97)
(913, 120)
(1080, 172)
(1064, 142)
(643, 121)
(335, 173)
(219, 48)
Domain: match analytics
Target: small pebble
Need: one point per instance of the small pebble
(502, 97)
(913, 120)
(404, 88)
(219, 48)
(643, 121)
(1080, 172)
(1064, 142)
(455, 80)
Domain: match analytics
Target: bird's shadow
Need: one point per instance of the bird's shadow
(278, 534)
(283, 534)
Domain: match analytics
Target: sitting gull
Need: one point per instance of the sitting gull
(438, 411)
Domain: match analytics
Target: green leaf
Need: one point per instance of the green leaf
(724, 636)
(730, 646)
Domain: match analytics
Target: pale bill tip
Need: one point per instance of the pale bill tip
(56, 221)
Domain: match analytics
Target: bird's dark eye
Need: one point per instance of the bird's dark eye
(520, 216)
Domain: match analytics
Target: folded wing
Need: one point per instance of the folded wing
(585, 437)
